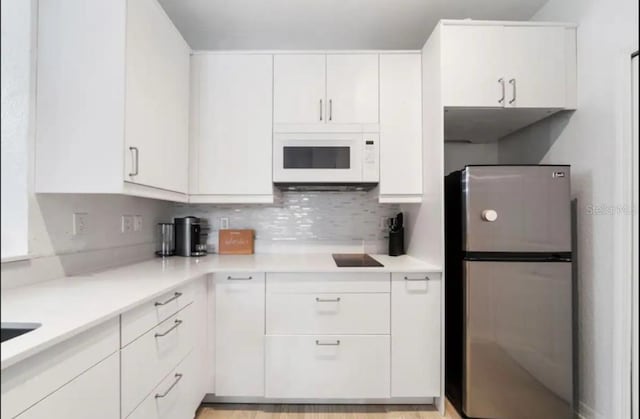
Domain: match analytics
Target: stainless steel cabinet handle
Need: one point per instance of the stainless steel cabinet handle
(178, 378)
(513, 83)
(175, 325)
(501, 81)
(321, 109)
(135, 152)
(335, 343)
(426, 278)
(330, 110)
(328, 300)
(175, 296)
(239, 278)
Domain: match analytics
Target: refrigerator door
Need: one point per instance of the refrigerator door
(517, 340)
(516, 208)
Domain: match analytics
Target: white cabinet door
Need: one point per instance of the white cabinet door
(157, 102)
(415, 335)
(473, 65)
(400, 128)
(239, 328)
(534, 66)
(233, 128)
(172, 397)
(95, 394)
(327, 366)
(299, 89)
(352, 88)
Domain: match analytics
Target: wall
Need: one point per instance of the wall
(54, 251)
(457, 155)
(306, 221)
(591, 139)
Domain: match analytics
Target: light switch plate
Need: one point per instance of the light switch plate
(224, 223)
(127, 224)
(137, 223)
(80, 223)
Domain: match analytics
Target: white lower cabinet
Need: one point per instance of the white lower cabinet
(172, 398)
(239, 334)
(327, 366)
(95, 393)
(344, 313)
(416, 327)
(150, 357)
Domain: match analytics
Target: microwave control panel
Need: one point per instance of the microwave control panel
(371, 160)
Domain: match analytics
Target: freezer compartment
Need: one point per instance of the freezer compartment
(516, 208)
(517, 340)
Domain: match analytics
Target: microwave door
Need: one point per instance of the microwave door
(316, 160)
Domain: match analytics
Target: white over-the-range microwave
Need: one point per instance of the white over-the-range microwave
(326, 160)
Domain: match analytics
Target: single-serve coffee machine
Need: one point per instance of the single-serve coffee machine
(190, 236)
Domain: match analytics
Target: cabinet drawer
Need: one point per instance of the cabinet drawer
(172, 398)
(328, 314)
(94, 393)
(26, 382)
(141, 319)
(328, 282)
(335, 366)
(152, 356)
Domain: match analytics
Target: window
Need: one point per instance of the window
(17, 82)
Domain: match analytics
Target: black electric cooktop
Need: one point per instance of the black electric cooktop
(355, 260)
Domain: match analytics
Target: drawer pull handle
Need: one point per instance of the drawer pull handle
(178, 378)
(426, 278)
(175, 297)
(239, 278)
(335, 343)
(328, 300)
(176, 324)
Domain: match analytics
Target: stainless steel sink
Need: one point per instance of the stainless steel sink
(12, 330)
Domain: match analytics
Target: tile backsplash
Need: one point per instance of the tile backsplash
(301, 217)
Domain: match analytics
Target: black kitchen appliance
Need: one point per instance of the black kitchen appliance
(190, 240)
(355, 260)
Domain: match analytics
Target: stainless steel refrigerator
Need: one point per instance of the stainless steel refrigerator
(508, 292)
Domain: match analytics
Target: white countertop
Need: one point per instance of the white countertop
(69, 306)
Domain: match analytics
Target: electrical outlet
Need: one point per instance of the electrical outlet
(224, 223)
(383, 224)
(127, 223)
(80, 223)
(137, 223)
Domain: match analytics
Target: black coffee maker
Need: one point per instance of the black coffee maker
(396, 235)
(190, 240)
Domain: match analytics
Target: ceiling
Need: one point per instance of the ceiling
(328, 24)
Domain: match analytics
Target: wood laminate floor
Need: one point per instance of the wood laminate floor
(315, 411)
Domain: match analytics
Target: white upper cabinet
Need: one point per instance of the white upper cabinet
(231, 131)
(112, 99)
(535, 67)
(157, 99)
(508, 65)
(400, 128)
(318, 92)
(352, 88)
(299, 89)
(473, 65)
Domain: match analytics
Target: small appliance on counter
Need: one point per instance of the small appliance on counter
(355, 260)
(235, 242)
(190, 236)
(165, 240)
(396, 235)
